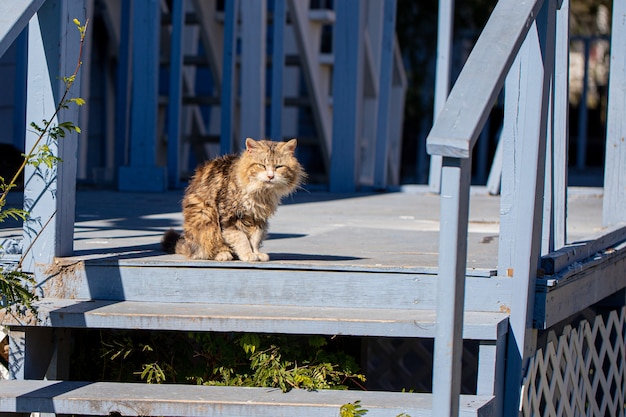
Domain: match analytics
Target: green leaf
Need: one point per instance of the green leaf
(78, 101)
(352, 410)
(16, 290)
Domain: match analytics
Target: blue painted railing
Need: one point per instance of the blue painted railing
(524, 48)
(53, 53)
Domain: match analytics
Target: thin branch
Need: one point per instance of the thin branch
(46, 128)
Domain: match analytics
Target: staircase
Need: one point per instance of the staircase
(206, 296)
(119, 287)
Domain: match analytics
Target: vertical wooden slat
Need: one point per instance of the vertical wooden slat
(122, 85)
(229, 92)
(347, 95)
(278, 62)
(614, 179)
(512, 127)
(455, 186)
(253, 30)
(384, 94)
(19, 96)
(442, 79)
(49, 193)
(560, 133)
(555, 203)
(174, 109)
(537, 69)
(307, 35)
(143, 173)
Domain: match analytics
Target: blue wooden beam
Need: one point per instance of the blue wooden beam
(19, 96)
(175, 103)
(614, 179)
(347, 95)
(278, 60)
(14, 17)
(49, 193)
(228, 89)
(122, 85)
(537, 58)
(253, 40)
(384, 97)
(445, 25)
(143, 173)
(455, 188)
(560, 131)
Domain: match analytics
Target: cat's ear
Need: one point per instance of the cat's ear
(251, 144)
(290, 146)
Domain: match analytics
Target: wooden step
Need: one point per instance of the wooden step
(66, 313)
(102, 398)
(277, 283)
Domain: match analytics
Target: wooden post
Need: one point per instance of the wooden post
(228, 90)
(614, 179)
(384, 94)
(560, 131)
(19, 97)
(253, 30)
(49, 193)
(347, 95)
(536, 71)
(174, 107)
(122, 85)
(455, 187)
(143, 173)
(442, 79)
(278, 63)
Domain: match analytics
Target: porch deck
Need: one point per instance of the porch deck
(312, 230)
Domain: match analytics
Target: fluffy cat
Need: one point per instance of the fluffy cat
(229, 200)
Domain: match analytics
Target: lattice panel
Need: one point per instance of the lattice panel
(580, 373)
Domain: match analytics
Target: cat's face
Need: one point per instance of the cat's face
(268, 165)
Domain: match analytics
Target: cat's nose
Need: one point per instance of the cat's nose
(270, 175)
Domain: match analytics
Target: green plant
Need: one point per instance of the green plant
(16, 286)
(355, 409)
(287, 363)
(227, 359)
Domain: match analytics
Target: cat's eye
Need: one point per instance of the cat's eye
(261, 166)
(279, 166)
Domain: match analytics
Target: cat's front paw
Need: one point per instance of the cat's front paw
(224, 256)
(255, 257)
(263, 257)
(249, 257)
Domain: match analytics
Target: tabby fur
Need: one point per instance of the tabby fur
(229, 200)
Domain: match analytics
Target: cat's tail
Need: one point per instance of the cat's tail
(169, 240)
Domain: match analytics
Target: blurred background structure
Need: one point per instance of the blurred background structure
(214, 84)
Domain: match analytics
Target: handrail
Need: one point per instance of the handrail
(453, 137)
(14, 17)
(457, 127)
